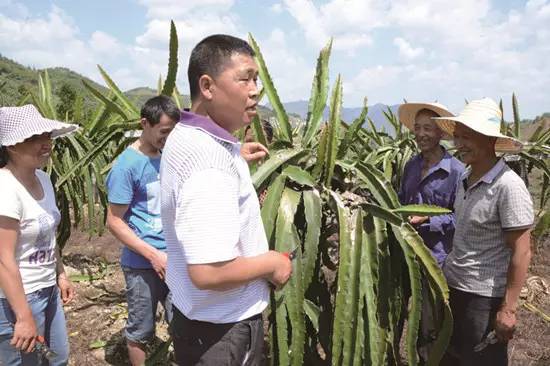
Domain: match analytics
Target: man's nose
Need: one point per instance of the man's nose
(253, 91)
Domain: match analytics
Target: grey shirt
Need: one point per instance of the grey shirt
(498, 202)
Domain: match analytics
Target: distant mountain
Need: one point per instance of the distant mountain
(348, 114)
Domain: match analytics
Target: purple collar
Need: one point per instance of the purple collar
(207, 125)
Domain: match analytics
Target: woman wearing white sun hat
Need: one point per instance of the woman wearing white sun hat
(33, 283)
(491, 247)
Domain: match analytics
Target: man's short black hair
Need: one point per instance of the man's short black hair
(155, 107)
(210, 55)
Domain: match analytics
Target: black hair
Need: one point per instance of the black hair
(155, 107)
(210, 55)
(427, 111)
(3, 156)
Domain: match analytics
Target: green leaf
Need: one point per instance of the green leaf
(408, 235)
(379, 187)
(258, 130)
(160, 85)
(273, 163)
(287, 239)
(383, 213)
(352, 301)
(502, 121)
(333, 137)
(313, 214)
(368, 330)
(421, 210)
(298, 175)
(283, 129)
(103, 99)
(133, 112)
(170, 82)
(321, 154)
(97, 344)
(352, 131)
(413, 321)
(319, 95)
(344, 276)
(517, 120)
(312, 311)
(271, 205)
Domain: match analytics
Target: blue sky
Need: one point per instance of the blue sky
(420, 50)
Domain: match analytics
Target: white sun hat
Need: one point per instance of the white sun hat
(19, 123)
(407, 113)
(483, 116)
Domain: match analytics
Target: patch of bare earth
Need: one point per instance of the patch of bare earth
(98, 315)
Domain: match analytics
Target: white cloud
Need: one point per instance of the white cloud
(277, 8)
(291, 74)
(105, 45)
(173, 9)
(350, 22)
(467, 49)
(406, 50)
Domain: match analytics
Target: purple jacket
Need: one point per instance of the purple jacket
(437, 188)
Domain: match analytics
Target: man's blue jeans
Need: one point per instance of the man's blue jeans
(48, 314)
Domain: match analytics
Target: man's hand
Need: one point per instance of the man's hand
(417, 220)
(24, 334)
(282, 269)
(66, 288)
(253, 151)
(158, 261)
(505, 325)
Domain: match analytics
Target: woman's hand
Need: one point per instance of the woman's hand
(66, 288)
(24, 333)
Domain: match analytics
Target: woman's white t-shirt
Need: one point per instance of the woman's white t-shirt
(38, 220)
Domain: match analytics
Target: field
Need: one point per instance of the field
(96, 319)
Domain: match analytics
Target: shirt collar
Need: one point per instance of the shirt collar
(444, 163)
(490, 175)
(207, 125)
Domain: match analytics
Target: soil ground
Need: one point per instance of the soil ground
(96, 318)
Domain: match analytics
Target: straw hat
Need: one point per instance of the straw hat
(19, 123)
(483, 116)
(407, 113)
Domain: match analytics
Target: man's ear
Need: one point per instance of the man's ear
(206, 86)
(143, 122)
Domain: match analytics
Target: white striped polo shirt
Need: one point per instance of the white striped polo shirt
(210, 213)
(498, 202)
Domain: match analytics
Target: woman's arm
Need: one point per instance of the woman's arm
(25, 331)
(65, 285)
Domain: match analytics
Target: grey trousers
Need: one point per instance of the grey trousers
(474, 318)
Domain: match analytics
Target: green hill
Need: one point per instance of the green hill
(16, 80)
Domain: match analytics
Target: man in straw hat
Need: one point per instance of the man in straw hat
(491, 247)
(431, 177)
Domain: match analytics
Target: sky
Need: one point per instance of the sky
(418, 50)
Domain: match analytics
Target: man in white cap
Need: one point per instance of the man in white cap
(491, 247)
(431, 177)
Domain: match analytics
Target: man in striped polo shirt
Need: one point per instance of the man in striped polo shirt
(491, 247)
(219, 264)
